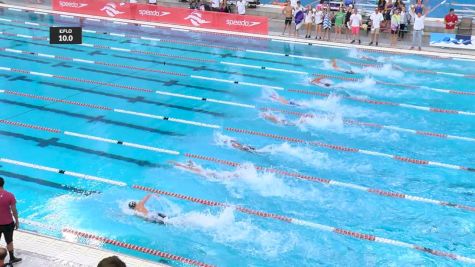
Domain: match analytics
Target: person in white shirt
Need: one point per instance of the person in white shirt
(418, 28)
(215, 5)
(376, 19)
(355, 22)
(241, 7)
(152, 2)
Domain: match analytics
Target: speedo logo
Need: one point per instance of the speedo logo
(155, 13)
(244, 23)
(71, 4)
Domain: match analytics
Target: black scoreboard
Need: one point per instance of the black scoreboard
(65, 35)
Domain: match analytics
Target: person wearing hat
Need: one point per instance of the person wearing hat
(141, 211)
(451, 20)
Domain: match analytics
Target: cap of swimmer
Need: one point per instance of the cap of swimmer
(132, 204)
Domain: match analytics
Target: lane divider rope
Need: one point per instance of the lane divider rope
(104, 47)
(127, 87)
(433, 72)
(142, 249)
(326, 181)
(263, 67)
(313, 225)
(258, 213)
(90, 137)
(352, 150)
(61, 171)
(132, 36)
(136, 68)
(114, 242)
(375, 125)
(445, 91)
(122, 111)
(387, 103)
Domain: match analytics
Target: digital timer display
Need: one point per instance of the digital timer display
(65, 35)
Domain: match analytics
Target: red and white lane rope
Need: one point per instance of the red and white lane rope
(122, 111)
(397, 85)
(127, 87)
(387, 103)
(142, 249)
(114, 242)
(90, 137)
(309, 224)
(61, 171)
(258, 213)
(352, 150)
(375, 125)
(380, 192)
(433, 72)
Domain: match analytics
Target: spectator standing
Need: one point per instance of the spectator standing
(419, 7)
(349, 11)
(327, 22)
(215, 4)
(376, 19)
(355, 22)
(405, 21)
(418, 29)
(395, 22)
(309, 19)
(318, 22)
(299, 16)
(381, 4)
(287, 12)
(241, 7)
(451, 20)
(7, 224)
(339, 22)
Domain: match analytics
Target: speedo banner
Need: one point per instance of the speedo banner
(170, 15)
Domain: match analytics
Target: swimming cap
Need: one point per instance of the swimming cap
(132, 204)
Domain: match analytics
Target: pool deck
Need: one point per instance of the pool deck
(39, 250)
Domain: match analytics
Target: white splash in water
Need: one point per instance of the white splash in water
(225, 228)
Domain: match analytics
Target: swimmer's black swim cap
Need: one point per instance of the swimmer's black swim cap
(132, 204)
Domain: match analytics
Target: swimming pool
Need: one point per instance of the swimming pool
(376, 169)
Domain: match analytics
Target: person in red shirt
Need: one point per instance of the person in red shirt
(451, 21)
(7, 224)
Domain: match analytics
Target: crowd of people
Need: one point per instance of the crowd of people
(323, 22)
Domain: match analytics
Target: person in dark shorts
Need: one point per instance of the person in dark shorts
(288, 13)
(7, 224)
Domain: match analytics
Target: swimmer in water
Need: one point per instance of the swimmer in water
(275, 119)
(141, 211)
(195, 168)
(319, 81)
(335, 67)
(242, 147)
(274, 96)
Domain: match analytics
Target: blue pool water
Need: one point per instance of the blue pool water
(225, 237)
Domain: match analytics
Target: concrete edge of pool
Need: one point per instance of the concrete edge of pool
(439, 53)
(37, 249)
